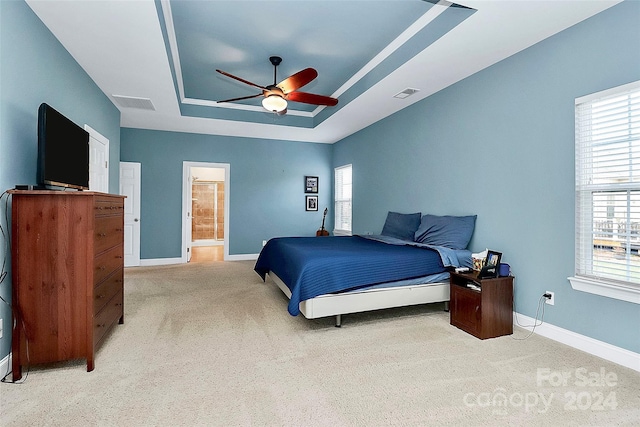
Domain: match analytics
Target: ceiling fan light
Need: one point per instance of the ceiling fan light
(274, 103)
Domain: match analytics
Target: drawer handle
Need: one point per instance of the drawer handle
(99, 296)
(101, 325)
(119, 229)
(119, 256)
(102, 234)
(102, 267)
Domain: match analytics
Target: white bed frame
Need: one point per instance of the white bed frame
(370, 299)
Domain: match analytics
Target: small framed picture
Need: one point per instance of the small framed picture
(311, 203)
(493, 259)
(491, 266)
(311, 184)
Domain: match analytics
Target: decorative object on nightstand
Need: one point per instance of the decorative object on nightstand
(505, 270)
(478, 259)
(481, 307)
(491, 265)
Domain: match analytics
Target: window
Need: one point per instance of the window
(343, 195)
(608, 193)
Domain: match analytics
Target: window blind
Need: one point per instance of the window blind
(607, 127)
(342, 196)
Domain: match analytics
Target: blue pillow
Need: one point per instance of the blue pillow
(449, 231)
(401, 226)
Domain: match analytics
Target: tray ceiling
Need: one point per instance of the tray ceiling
(157, 59)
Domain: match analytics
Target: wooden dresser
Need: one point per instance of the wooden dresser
(67, 265)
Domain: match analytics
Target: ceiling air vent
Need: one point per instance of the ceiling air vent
(134, 102)
(405, 93)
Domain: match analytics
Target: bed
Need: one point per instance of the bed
(407, 264)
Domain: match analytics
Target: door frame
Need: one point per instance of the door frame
(186, 205)
(103, 186)
(137, 167)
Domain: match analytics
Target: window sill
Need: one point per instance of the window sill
(606, 289)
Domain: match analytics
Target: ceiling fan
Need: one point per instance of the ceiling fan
(277, 95)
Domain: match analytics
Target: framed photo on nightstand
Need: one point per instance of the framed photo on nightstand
(493, 258)
(491, 265)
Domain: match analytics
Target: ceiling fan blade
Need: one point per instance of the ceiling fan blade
(240, 79)
(297, 80)
(241, 98)
(311, 98)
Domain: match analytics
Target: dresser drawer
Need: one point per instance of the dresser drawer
(106, 318)
(106, 290)
(108, 232)
(106, 263)
(104, 206)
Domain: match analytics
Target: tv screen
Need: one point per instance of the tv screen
(63, 151)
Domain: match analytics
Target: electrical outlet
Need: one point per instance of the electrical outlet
(551, 300)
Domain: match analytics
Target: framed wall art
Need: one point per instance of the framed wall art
(311, 203)
(310, 184)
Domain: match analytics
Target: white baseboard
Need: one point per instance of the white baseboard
(150, 262)
(243, 257)
(609, 352)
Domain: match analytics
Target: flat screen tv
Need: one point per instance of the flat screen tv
(63, 151)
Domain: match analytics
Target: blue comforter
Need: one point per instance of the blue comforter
(312, 266)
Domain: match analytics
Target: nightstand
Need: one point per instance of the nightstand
(481, 307)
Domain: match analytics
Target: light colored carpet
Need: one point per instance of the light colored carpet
(210, 345)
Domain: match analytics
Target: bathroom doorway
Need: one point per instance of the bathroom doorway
(207, 207)
(206, 210)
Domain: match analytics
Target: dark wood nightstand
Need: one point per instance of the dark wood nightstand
(481, 307)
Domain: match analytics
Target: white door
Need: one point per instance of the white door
(98, 161)
(189, 214)
(130, 187)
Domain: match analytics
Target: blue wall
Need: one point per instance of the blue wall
(500, 144)
(266, 185)
(35, 68)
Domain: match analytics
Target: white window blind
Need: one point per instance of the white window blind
(608, 186)
(343, 196)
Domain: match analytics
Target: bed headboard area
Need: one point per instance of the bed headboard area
(450, 231)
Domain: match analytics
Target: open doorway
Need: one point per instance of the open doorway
(207, 207)
(206, 211)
